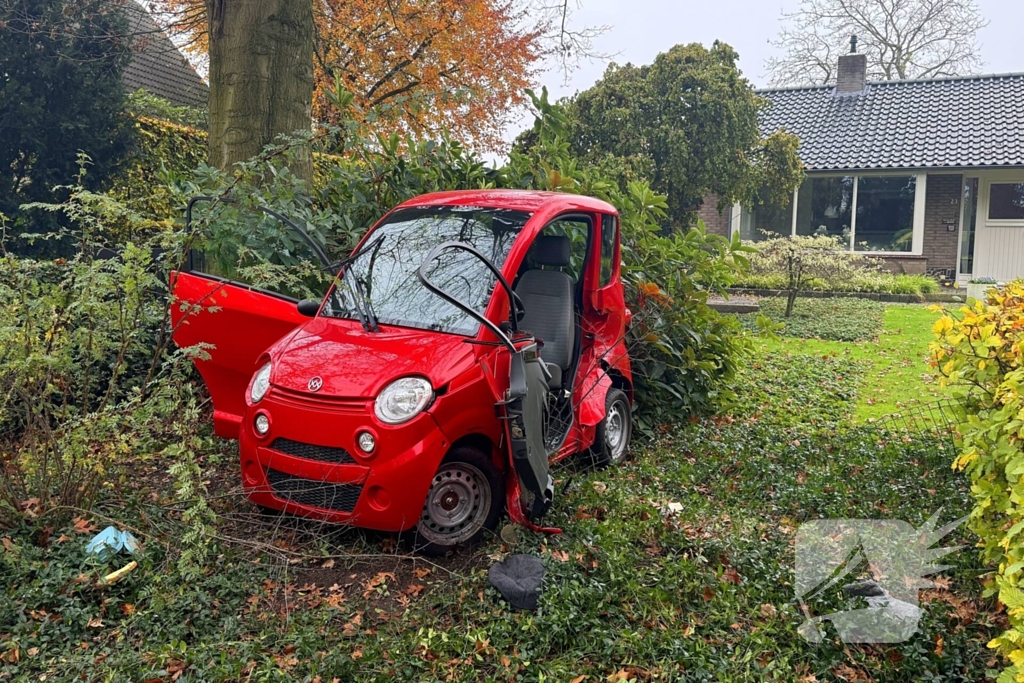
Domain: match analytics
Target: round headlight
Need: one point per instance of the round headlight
(366, 442)
(262, 424)
(403, 400)
(260, 384)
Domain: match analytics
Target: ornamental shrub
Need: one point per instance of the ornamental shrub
(802, 262)
(980, 349)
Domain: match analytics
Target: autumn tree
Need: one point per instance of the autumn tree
(688, 123)
(423, 65)
(901, 38)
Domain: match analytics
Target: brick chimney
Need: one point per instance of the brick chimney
(852, 71)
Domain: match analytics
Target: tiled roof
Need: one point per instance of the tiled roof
(157, 66)
(952, 122)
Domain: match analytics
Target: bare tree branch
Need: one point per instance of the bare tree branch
(902, 39)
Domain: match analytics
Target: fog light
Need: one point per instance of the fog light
(367, 442)
(262, 424)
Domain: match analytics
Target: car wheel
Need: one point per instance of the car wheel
(611, 443)
(465, 500)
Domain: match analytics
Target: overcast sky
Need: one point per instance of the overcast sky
(640, 29)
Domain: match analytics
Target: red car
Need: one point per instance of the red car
(472, 339)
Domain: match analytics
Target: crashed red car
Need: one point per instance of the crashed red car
(472, 339)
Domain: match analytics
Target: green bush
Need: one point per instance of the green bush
(819, 263)
(873, 283)
(980, 348)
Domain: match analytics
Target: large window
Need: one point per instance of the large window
(825, 207)
(766, 221)
(885, 213)
(1006, 202)
(872, 213)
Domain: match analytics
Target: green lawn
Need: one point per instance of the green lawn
(894, 375)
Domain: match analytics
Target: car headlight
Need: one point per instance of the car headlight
(402, 400)
(260, 384)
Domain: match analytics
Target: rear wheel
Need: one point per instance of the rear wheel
(465, 500)
(611, 444)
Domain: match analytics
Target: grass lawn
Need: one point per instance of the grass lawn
(894, 377)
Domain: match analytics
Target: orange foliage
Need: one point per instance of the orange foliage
(426, 65)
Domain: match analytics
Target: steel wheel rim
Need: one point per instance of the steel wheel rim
(457, 504)
(615, 428)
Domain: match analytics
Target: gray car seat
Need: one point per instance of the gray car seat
(547, 297)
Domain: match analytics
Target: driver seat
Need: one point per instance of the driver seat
(547, 297)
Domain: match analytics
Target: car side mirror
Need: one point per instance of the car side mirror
(308, 307)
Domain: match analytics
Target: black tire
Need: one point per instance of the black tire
(611, 444)
(468, 487)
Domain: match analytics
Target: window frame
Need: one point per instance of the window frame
(999, 222)
(920, 198)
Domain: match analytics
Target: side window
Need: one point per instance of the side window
(609, 233)
(578, 232)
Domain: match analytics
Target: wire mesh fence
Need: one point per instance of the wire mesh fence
(936, 420)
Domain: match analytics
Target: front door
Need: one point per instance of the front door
(227, 321)
(999, 242)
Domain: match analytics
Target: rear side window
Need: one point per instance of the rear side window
(609, 233)
(578, 232)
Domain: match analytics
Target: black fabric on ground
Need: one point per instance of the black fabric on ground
(518, 579)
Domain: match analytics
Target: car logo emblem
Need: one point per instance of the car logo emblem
(315, 384)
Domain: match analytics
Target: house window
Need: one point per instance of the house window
(767, 221)
(825, 207)
(1006, 202)
(885, 213)
(870, 213)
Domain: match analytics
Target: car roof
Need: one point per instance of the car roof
(518, 200)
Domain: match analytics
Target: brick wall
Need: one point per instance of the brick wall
(717, 223)
(942, 203)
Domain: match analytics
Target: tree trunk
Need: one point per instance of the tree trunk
(790, 300)
(261, 77)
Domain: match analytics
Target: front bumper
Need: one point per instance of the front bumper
(309, 462)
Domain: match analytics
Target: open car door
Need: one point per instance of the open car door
(520, 398)
(230, 324)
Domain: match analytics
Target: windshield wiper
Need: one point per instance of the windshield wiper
(359, 302)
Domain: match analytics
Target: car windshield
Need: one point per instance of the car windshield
(382, 279)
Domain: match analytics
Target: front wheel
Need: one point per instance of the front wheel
(465, 500)
(611, 443)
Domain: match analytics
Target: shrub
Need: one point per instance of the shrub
(979, 347)
(801, 262)
(873, 283)
(88, 379)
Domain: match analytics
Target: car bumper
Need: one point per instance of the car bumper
(309, 462)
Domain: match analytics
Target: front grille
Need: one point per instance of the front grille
(310, 452)
(317, 494)
(330, 404)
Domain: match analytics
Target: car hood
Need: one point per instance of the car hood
(354, 363)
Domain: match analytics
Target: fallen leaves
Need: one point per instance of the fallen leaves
(83, 526)
(379, 581)
(730, 575)
(351, 628)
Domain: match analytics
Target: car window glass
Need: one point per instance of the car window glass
(578, 232)
(609, 228)
(384, 274)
